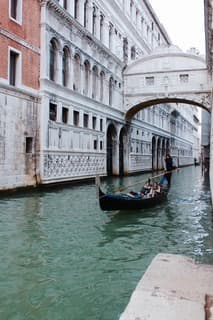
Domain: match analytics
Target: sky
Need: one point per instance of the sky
(183, 21)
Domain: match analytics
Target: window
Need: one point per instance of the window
(101, 124)
(94, 82)
(111, 87)
(65, 112)
(95, 144)
(65, 66)
(77, 72)
(101, 27)
(85, 14)
(76, 9)
(29, 144)
(86, 77)
(86, 120)
(13, 68)
(65, 4)
(102, 76)
(101, 145)
(76, 118)
(125, 49)
(94, 20)
(13, 9)
(52, 111)
(150, 81)
(53, 60)
(94, 122)
(16, 10)
(133, 53)
(184, 78)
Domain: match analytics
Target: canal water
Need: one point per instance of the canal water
(62, 258)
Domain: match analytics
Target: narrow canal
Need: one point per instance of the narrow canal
(62, 258)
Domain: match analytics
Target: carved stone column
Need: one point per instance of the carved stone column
(106, 33)
(70, 73)
(59, 66)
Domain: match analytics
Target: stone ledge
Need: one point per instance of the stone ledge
(174, 287)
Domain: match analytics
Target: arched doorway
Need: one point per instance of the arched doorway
(123, 152)
(111, 145)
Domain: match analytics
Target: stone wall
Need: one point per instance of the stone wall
(19, 139)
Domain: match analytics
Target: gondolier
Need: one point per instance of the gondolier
(168, 166)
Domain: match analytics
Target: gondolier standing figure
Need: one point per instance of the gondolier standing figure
(168, 166)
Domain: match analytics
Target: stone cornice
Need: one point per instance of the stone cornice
(19, 40)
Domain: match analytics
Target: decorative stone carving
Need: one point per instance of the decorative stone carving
(64, 165)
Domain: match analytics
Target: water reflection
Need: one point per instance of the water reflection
(62, 257)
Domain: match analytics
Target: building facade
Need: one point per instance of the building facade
(63, 76)
(19, 85)
(85, 46)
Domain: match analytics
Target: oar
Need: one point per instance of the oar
(139, 182)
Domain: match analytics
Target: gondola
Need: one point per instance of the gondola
(126, 201)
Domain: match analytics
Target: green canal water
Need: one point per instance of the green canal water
(62, 258)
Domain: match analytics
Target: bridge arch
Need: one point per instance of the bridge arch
(143, 105)
(166, 76)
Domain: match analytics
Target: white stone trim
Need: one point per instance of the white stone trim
(19, 40)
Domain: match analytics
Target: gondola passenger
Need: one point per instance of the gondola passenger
(147, 187)
(155, 190)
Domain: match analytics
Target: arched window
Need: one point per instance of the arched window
(102, 76)
(76, 9)
(77, 72)
(101, 27)
(86, 14)
(65, 4)
(53, 60)
(65, 66)
(110, 36)
(111, 86)
(125, 49)
(94, 20)
(94, 82)
(86, 77)
(133, 53)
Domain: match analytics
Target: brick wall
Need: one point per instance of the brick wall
(24, 37)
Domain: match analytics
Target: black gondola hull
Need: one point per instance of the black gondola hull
(111, 201)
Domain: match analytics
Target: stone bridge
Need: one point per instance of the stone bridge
(167, 76)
